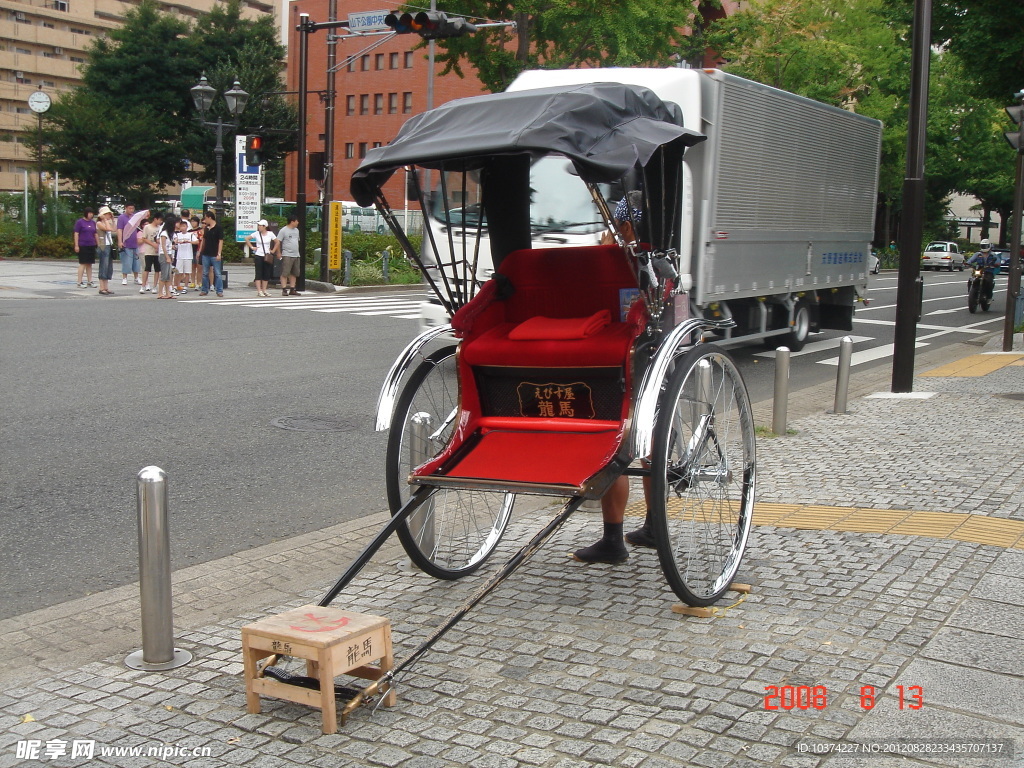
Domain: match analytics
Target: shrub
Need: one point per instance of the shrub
(50, 247)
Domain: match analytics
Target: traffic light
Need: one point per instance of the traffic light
(1016, 115)
(430, 25)
(254, 150)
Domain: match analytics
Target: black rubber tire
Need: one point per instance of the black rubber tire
(466, 525)
(703, 475)
(972, 298)
(797, 338)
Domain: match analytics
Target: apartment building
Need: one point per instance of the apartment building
(43, 44)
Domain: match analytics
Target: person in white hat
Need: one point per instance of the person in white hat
(106, 229)
(263, 244)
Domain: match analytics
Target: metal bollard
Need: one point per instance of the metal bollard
(421, 522)
(843, 375)
(781, 404)
(347, 279)
(158, 651)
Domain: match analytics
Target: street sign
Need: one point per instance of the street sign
(247, 192)
(367, 21)
(334, 236)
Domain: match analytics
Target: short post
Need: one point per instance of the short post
(385, 265)
(843, 375)
(781, 403)
(158, 651)
(347, 279)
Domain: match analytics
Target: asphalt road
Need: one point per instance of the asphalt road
(96, 388)
(945, 320)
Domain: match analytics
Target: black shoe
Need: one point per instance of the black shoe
(641, 537)
(606, 551)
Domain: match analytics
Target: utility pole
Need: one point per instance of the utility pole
(910, 287)
(329, 107)
(1016, 140)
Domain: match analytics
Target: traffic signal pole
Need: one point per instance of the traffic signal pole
(909, 288)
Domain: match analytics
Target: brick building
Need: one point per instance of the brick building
(382, 86)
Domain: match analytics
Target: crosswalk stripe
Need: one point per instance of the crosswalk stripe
(867, 355)
(398, 306)
(814, 346)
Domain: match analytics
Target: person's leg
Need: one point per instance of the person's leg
(644, 535)
(610, 547)
(218, 275)
(81, 273)
(204, 285)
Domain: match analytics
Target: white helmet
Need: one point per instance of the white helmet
(985, 244)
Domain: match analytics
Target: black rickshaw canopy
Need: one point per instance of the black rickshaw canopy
(604, 129)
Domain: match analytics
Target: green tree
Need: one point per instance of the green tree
(556, 34)
(988, 35)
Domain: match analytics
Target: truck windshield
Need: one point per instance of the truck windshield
(559, 201)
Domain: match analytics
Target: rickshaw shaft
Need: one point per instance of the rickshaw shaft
(417, 500)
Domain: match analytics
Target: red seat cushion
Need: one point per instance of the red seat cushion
(607, 347)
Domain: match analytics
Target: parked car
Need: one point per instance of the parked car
(875, 263)
(942, 254)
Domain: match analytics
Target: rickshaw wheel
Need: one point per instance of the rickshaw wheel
(457, 530)
(702, 475)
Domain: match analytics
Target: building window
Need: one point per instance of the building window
(350, 150)
(48, 25)
(365, 63)
(408, 59)
(378, 61)
(23, 51)
(77, 59)
(406, 102)
(392, 103)
(362, 149)
(350, 105)
(393, 63)
(351, 65)
(364, 104)
(376, 144)
(378, 103)
(60, 5)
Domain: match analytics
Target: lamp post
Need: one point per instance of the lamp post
(203, 94)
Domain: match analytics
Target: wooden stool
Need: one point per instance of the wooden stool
(332, 641)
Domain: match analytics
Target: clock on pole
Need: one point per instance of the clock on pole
(39, 102)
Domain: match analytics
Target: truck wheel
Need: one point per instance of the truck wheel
(801, 327)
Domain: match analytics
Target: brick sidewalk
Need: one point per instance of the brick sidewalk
(568, 665)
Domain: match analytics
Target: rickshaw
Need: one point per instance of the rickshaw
(567, 362)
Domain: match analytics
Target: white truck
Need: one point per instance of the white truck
(778, 204)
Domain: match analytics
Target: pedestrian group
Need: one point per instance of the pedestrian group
(180, 253)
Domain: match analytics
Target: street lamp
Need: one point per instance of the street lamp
(203, 94)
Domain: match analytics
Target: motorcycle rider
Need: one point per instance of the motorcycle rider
(987, 260)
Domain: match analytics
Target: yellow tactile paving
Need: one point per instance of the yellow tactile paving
(937, 525)
(975, 365)
(873, 520)
(977, 529)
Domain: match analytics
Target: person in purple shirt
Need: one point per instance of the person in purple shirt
(85, 247)
(128, 246)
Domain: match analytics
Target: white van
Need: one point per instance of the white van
(355, 218)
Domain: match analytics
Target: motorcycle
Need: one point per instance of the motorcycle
(980, 286)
